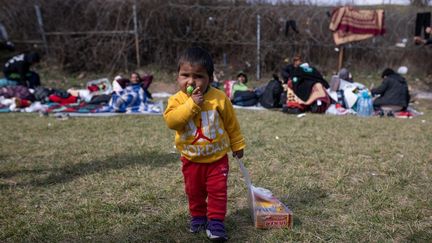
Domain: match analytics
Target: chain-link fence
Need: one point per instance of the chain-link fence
(100, 35)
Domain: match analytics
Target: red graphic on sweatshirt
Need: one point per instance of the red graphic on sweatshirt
(199, 134)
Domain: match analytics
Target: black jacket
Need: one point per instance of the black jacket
(304, 78)
(393, 91)
(19, 64)
(286, 72)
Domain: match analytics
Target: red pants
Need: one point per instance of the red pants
(206, 181)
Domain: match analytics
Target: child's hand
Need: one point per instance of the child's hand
(197, 96)
(238, 154)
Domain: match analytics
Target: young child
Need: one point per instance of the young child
(206, 129)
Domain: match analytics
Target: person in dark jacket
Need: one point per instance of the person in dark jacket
(393, 91)
(18, 69)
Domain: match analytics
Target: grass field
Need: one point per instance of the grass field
(118, 179)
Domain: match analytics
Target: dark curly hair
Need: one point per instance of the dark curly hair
(199, 56)
(387, 72)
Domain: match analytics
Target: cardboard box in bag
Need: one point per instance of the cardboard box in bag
(267, 211)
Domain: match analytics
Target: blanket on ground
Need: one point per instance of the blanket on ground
(151, 108)
(131, 99)
(349, 24)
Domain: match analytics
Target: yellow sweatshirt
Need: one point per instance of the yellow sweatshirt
(204, 133)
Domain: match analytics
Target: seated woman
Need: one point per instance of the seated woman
(392, 95)
(306, 91)
(132, 98)
(120, 83)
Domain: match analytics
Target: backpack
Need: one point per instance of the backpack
(272, 94)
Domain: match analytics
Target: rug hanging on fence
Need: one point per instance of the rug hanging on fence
(349, 24)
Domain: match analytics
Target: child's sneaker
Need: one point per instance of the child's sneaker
(197, 224)
(216, 231)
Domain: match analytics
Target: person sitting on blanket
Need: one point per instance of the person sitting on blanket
(130, 99)
(393, 94)
(120, 83)
(241, 94)
(306, 91)
(240, 85)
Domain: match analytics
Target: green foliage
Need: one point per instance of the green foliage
(347, 179)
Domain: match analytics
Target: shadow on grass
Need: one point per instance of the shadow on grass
(305, 197)
(68, 173)
(176, 229)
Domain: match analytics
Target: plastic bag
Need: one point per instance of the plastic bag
(364, 104)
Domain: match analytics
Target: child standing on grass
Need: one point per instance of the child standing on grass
(206, 129)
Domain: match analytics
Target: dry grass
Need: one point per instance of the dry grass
(119, 179)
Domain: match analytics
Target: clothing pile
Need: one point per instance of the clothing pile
(97, 97)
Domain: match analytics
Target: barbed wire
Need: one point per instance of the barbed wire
(93, 35)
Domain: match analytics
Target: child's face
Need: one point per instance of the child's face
(193, 75)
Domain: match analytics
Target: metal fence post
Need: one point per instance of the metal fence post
(258, 33)
(341, 57)
(41, 29)
(135, 19)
